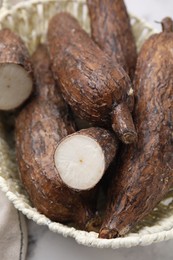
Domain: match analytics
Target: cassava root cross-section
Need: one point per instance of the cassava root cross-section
(15, 71)
(82, 158)
(41, 124)
(90, 83)
(145, 172)
(111, 30)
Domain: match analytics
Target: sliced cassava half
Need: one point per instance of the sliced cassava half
(15, 71)
(82, 158)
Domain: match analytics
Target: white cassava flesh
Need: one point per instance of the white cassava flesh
(80, 161)
(15, 86)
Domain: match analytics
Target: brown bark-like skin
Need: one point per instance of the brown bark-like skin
(39, 128)
(111, 30)
(123, 128)
(89, 81)
(145, 173)
(13, 50)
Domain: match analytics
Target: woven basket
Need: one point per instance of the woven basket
(30, 20)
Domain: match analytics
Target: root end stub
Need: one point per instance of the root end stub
(108, 234)
(80, 161)
(129, 137)
(167, 25)
(122, 124)
(94, 224)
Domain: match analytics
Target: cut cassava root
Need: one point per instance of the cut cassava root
(40, 125)
(90, 83)
(111, 30)
(145, 172)
(82, 158)
(15, 71)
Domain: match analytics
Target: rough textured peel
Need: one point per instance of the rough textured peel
(39, 127)
(145, 173)
(111, 30)
(90, 83)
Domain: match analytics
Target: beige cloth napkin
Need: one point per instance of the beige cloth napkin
(13, 232)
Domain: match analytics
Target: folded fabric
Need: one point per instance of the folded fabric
(13, 232)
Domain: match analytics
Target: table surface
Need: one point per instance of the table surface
(44, 244)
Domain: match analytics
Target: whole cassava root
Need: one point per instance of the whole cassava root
(15, 71)
(111, 30)
(39, 127)
(89, 81)
(82, 158)
(145, 173)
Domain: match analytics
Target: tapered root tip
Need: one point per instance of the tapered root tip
(122, 124)
(108, 234)
(129, 138)
(94, 224)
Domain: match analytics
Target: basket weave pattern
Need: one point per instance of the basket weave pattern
(30, 20)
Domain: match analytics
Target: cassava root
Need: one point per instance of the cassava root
(90, 83)
(145, 172)
(111, 30)
(39, 127)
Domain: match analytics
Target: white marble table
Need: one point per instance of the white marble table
(44, 244)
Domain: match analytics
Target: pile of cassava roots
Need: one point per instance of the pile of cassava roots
(94, 118)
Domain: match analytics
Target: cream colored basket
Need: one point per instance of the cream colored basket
(30, 20)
